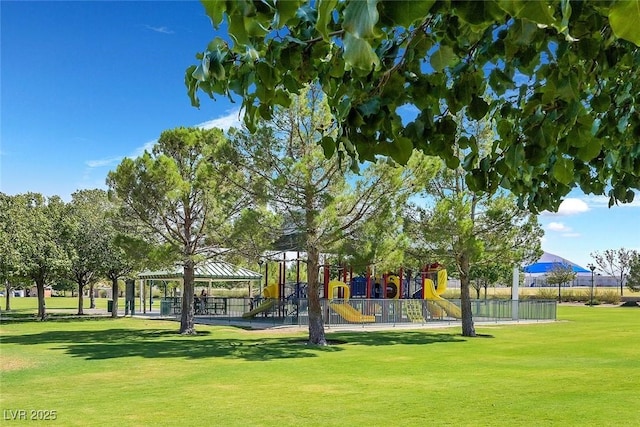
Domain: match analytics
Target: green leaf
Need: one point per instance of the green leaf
(266, 74)
(215, 11)
(237, 30)
(199, 73)
(589, 151)
(568, 87)
(562, 170)
(360, 18)
(536, 11)
(371, 107)
(286, 10)
(254, 27)
(282, 98)
(401, 150)
(443, 58)
(328, 146)
(478, 108)
(629, 196)
(504, 129)
(325, 12)
(470, 160)
(192, 86)
(514, 156)
(478, 12)
(601, 103)
(624, 18)
(358, 54)
(452, 162)
(406, 12)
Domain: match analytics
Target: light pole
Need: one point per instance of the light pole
(592, 268)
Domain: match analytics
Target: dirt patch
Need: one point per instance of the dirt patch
(14, 364)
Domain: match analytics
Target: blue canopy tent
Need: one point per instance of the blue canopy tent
(550, 261)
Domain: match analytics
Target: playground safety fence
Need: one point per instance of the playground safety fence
(358, 311)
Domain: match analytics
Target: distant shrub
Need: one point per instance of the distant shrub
(545, 293)
(568, 296)
(609, 296)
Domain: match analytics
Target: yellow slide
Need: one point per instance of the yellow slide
(259, 309)
(350, 314)
(433, 294)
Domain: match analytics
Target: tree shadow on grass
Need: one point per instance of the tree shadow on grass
(162, 343)
(380, 338)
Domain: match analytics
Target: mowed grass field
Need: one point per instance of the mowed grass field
(583, 370)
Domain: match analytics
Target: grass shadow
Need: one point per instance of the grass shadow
(163, 343)
(381, 338)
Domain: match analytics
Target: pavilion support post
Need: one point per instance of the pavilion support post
(515, 293)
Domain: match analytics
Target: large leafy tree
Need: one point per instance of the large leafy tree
(311, 189)
(87, 244)
(560, 78)
(180, 193)
(9, 255)
(126, 248)
(42, 231)
(466, 229)
(616, 263)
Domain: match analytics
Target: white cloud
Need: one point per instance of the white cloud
(570, 206)
(558, 226)
(112, 161)
(102, 162)
(162, 30)
(599, 201)
(147, 146)
(231, 119)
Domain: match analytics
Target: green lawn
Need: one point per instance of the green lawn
(582, 370)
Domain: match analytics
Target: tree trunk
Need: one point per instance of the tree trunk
(477, 292)
(621, 287)
(468, 329)
(92, 298)
(559, 294)
(42, 310)
(114, 297)
(80, 299)
(187, 326)
(7, 297)
(316, 324)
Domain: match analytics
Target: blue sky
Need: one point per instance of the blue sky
(84, 84)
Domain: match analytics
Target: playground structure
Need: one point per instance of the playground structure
(363, 299)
